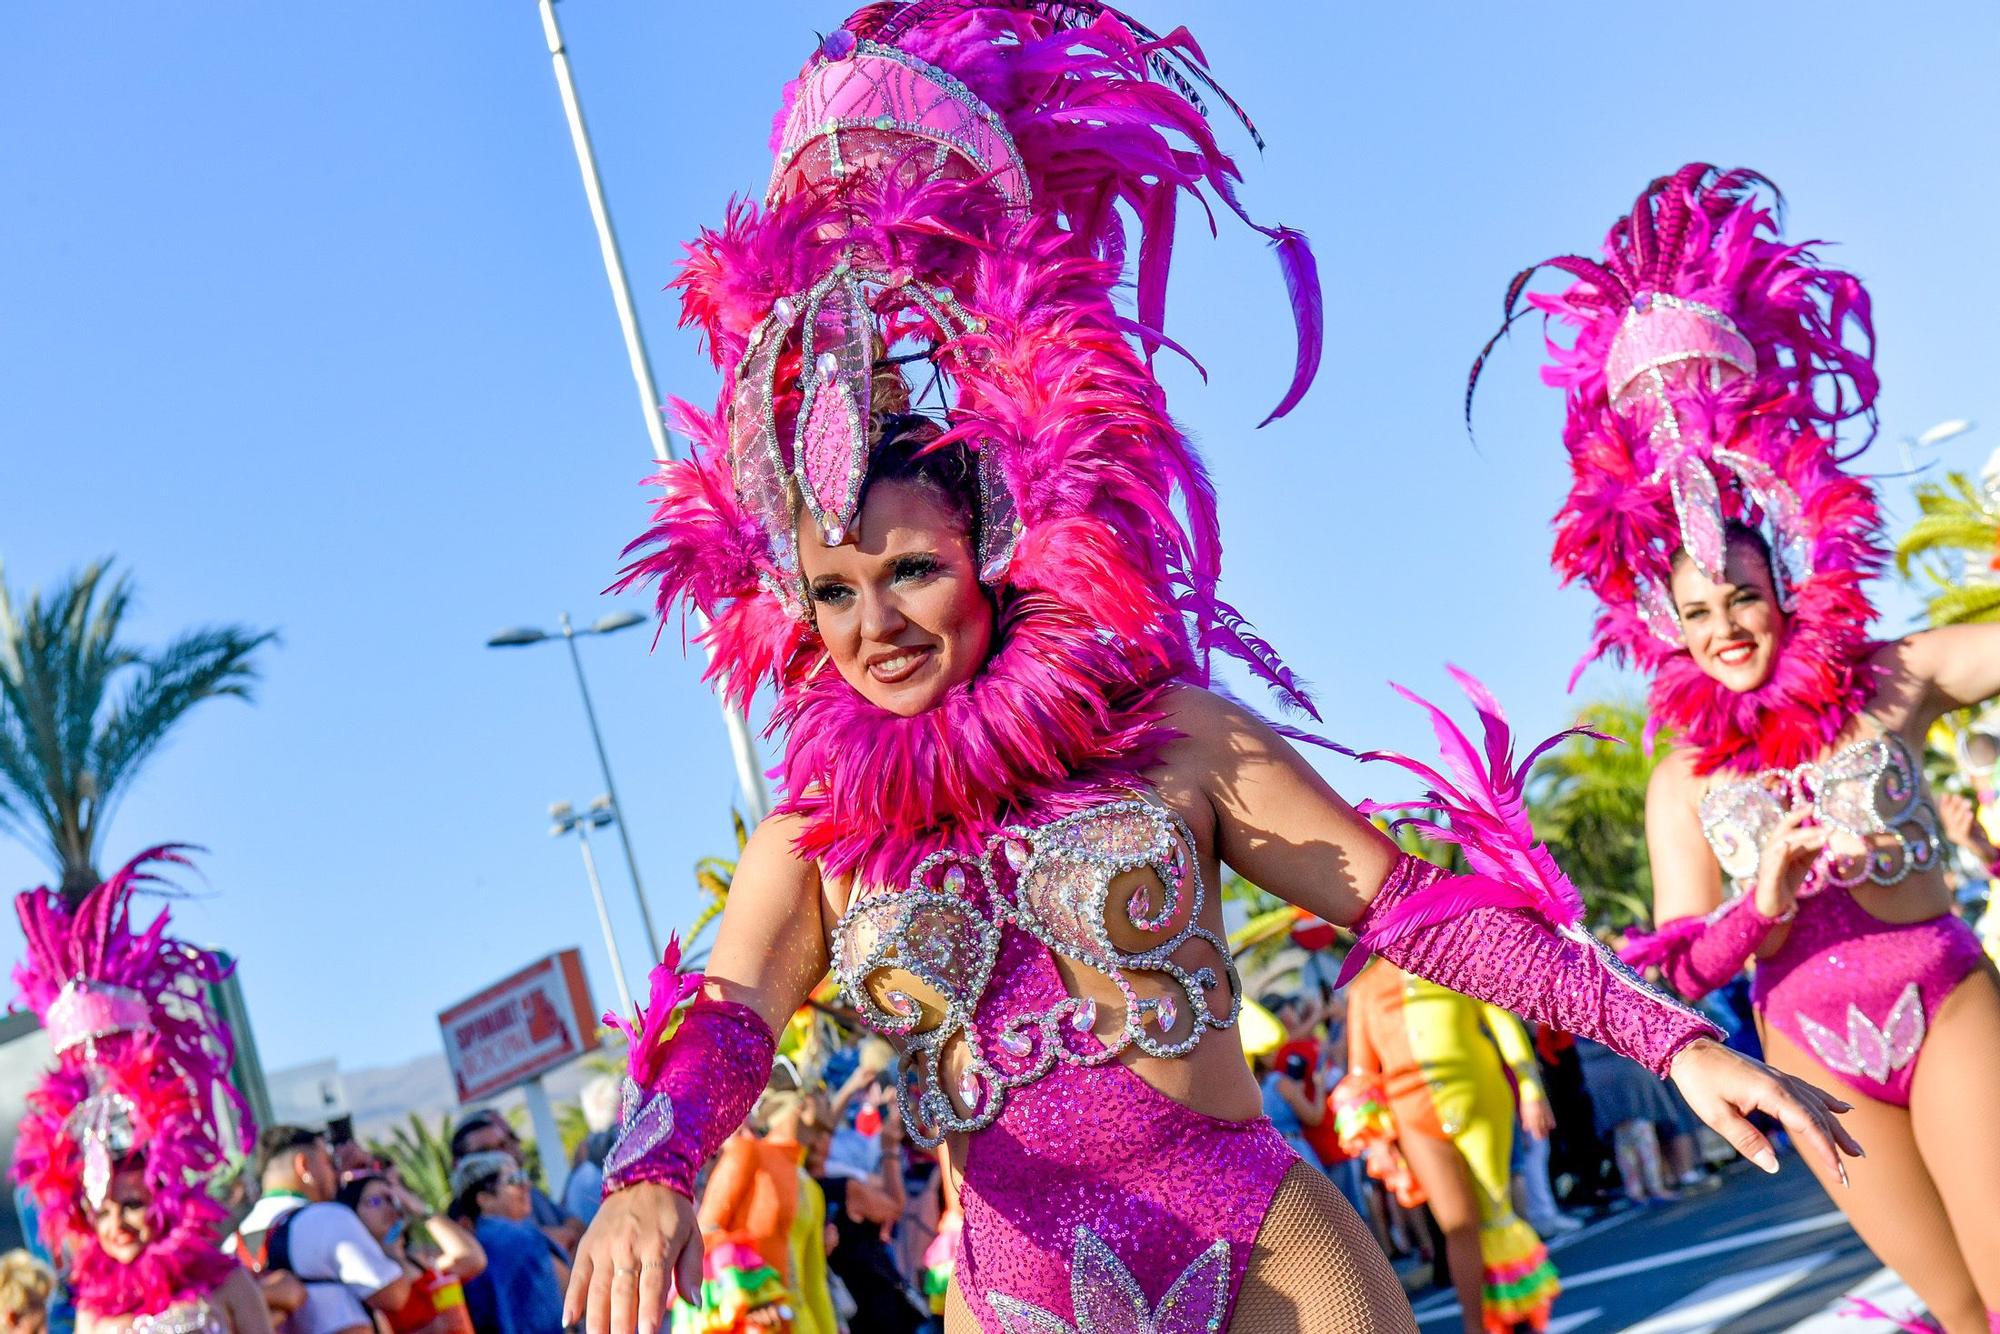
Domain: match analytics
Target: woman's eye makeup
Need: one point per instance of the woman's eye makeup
(915, 567)
(831, 592)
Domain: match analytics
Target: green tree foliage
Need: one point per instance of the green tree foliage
(713, 875)
(421, 1155)
(1956, 542)
(1588, 803)
(82, 710)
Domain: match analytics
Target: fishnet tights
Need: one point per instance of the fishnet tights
(1315, 1270)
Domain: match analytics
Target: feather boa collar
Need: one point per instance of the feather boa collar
(184, 1266)
(1053, 722)
(1815, 691)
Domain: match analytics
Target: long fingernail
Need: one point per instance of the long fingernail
(1841, 1168)
(1765, 1159)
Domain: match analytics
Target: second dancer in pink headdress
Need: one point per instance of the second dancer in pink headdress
(942, 513)
(1712, 514)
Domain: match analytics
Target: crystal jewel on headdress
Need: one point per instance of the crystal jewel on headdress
(872, 104)
(837, 326)
(1659, 333)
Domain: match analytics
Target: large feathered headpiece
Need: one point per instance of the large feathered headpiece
(141, 1081)
(945, 227)
(1711, 367)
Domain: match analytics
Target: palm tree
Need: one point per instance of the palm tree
(421, 1156)
(1588, 803)
(1959, 519)
(714, 876)
(82, 711)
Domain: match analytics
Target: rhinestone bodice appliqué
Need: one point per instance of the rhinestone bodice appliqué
(1056, 883)
(196, 1318)
(1869, 789)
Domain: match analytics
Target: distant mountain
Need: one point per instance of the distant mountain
(382, 1097)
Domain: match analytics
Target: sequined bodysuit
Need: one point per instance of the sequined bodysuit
(1856, 991)
(1067, 1204)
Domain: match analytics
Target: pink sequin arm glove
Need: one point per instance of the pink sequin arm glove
(1514, 958)
(685, 1094)
(1699, 954)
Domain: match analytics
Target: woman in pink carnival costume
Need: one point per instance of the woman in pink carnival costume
(1788, 823)
(1009, 791)
(123, 1138)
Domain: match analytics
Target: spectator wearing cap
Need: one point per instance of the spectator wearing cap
(296, 1226)
(521, 1289)
(488, 1132)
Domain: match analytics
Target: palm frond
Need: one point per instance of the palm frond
(1965, 603)
(81, 710)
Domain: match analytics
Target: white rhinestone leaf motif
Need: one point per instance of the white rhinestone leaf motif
(1871, 1052)
(1108, 1300)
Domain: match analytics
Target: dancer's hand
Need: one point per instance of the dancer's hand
(1787, 853)
(1960, 819)
(641, 1236)
(1537, 1118)
(1724, 1087)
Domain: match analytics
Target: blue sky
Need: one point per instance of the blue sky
(302, 318)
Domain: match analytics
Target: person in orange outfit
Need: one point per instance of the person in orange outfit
(1454, 1114)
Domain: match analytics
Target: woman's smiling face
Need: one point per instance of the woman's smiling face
(1734, 628)
(898, 603)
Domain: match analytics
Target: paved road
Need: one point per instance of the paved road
(1759, 1256)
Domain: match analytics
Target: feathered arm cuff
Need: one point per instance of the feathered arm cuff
(1510, 932)
(685, 1093)
(1699, 954)
(1518, 960)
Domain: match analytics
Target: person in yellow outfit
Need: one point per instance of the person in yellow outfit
(1454, 1114)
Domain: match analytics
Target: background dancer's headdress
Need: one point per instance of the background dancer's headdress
(141, 1059)
(943, 234)
(1711, 367)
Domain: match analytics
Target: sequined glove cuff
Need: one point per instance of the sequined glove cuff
(703, 1083)
(1517, 960)
(1699, 954)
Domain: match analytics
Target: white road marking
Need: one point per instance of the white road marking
(1446, 1304)
(1715, 1304)
(1882, 1288)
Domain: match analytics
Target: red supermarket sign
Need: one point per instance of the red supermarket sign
(519, 1027)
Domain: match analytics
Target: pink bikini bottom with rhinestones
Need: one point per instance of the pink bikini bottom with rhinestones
(1860, 993)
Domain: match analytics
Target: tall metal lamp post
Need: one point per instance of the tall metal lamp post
(520, 637)
(565, 819)
(742, 746)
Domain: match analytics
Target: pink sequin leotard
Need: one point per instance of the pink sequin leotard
(1857, 992)
(1072, 1214)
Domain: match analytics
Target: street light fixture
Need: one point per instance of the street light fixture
(565, 819)
(1936, 435)
(611, 623)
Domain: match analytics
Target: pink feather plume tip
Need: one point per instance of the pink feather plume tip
(646, 1031)
(1649, 949)
(1483, 809)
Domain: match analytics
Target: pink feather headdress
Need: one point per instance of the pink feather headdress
(1710, 369)
(141, 1060)
(949, 192)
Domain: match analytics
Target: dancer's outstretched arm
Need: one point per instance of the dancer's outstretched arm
(1280, 824)
(1959, 663)
(770, 951)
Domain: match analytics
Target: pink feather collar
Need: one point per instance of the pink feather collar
(1052, 723)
